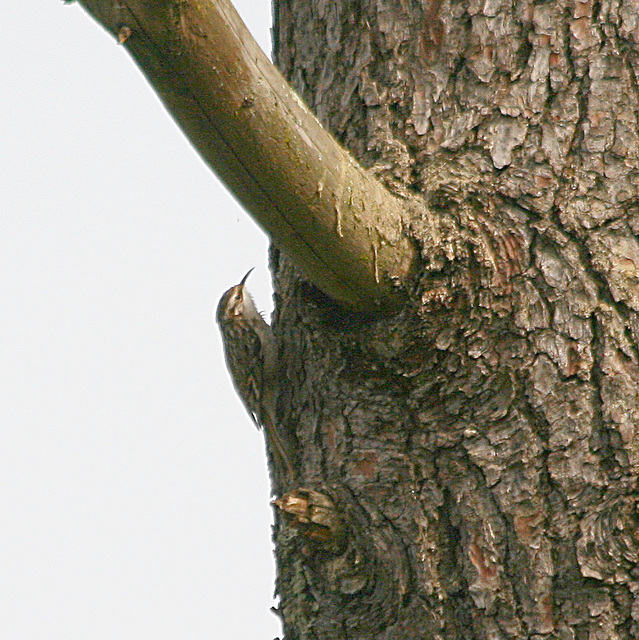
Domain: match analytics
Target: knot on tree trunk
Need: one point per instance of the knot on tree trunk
(348, 554)
(608, 548)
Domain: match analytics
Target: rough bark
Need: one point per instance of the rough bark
(468, 468)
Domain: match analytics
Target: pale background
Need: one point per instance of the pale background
(134, 500)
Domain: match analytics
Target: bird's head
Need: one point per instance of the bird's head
(234, 302)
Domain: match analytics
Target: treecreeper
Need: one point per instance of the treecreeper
(251, 358)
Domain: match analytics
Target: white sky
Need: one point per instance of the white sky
(134, 501)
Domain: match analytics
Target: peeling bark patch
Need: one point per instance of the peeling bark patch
(314, 514)
(486, 569)
(503, 136)
(615, 252)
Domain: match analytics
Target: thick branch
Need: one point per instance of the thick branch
(333, 219)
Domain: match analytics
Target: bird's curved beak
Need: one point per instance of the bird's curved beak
(248, 273)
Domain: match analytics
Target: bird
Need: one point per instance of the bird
(251, 358)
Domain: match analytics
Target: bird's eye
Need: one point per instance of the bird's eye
(237, 297)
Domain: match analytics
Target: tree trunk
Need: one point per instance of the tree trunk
(467, 468)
